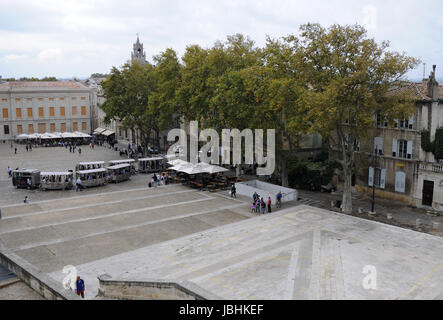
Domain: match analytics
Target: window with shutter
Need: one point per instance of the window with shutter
(378, 145)
(409, 150)
(382, 178)
(411, 122)
(394, 147)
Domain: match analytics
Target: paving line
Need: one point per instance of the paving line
(92, 205)
(46, 243)
(88, 196)
(419, 283)
(105, 216)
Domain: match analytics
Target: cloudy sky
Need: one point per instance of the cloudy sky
(79, 37)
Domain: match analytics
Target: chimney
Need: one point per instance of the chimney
(433, 85)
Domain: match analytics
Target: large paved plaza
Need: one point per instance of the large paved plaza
(176, 233)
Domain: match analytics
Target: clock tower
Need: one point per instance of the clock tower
(137, 53)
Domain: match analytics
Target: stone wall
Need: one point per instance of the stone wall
(39, 281)
(265, 190)
(152, 290)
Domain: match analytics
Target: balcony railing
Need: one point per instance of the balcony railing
(432, 167)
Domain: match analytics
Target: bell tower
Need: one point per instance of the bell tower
(137, 52)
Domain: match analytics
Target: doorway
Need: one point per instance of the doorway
(428, 193)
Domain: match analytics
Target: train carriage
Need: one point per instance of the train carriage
(92, 177)
(131, 163)
(149, 165)
(26, 178)
(119, 172)
(56, 180)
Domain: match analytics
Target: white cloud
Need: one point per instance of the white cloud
(13, 57)
(50, 55)
(370, 17)
(92, 36)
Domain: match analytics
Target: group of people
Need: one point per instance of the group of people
(158, 180)
(72, 148)
(259, 203)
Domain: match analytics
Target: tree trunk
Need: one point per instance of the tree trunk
(282, 167)
(284, 172)
(347, 190)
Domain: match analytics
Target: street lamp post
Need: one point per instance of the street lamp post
(375, 166)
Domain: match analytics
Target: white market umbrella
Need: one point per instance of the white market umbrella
(215, 169)
(22, 136)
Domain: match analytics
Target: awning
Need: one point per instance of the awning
(99, 130)
(107, 133)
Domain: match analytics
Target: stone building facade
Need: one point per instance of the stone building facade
(402, 170)
(38, 107)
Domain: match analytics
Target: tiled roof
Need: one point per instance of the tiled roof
(419, 90)
(422, 87)
(41, 85)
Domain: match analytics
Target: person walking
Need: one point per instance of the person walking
(9, 171)
(233, 191)
(155, 179)
(27, 148)
(15, 150)
(80, 287)
(26, 199)
(263, 205)
(279, 197)
(269, 205)
(79, 150)
(78, 183)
